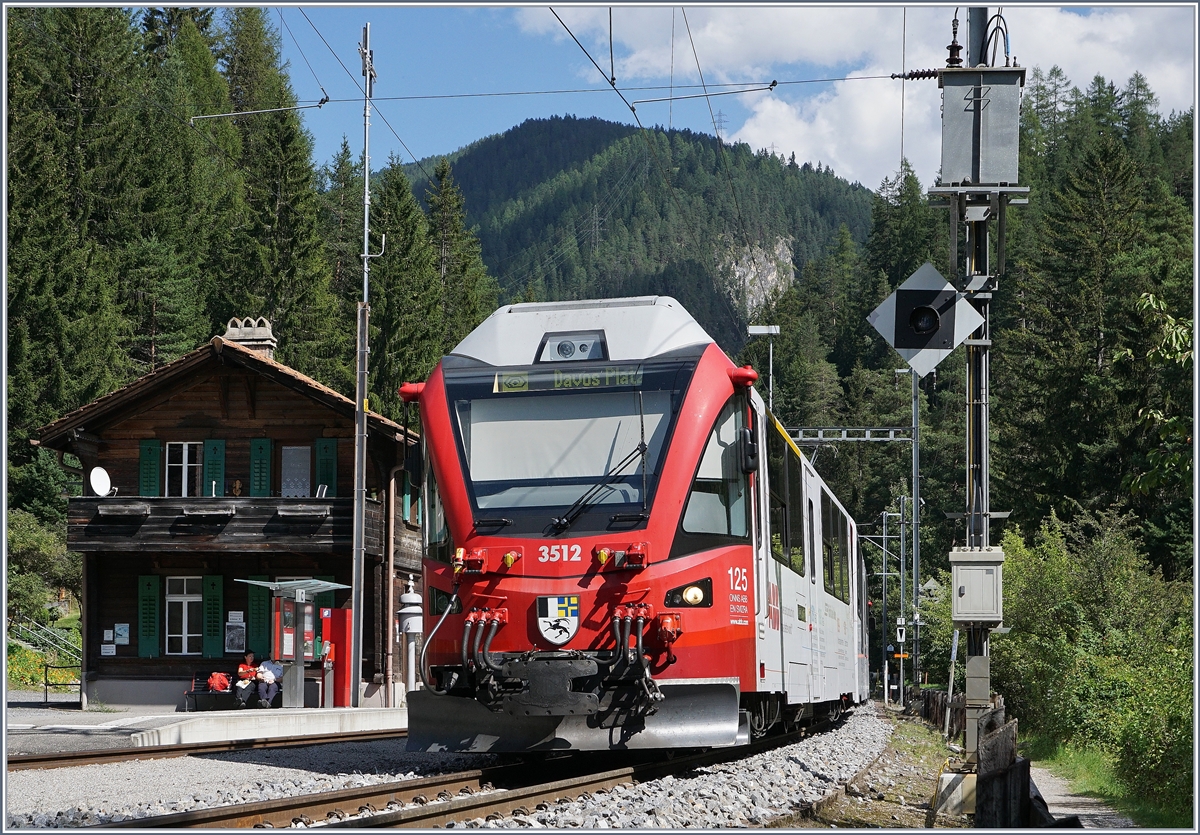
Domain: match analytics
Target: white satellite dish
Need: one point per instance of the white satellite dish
(98, 478)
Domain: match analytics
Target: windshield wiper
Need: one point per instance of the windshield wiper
(593, 494)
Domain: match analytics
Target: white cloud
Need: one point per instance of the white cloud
(854, 126)
(1157, 41)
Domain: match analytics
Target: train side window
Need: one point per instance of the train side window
(719, 501)
(438, 543)
(829, 546)
(795, 500)
(777, 478)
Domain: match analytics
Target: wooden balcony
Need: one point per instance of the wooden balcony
(172, 524)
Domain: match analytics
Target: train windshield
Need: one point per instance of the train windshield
(539, 445)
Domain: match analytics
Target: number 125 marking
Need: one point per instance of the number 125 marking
(737, 579)
(554, 553)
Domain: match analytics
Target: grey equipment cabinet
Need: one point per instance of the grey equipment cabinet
(977, 590)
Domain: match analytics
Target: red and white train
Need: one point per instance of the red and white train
(623, 548)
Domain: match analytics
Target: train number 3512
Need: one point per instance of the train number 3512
(737, 579)
(554, 553)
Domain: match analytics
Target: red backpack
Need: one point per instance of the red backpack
(218, 682)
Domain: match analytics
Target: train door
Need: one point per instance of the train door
(794, 585)
(816, 596)
(863, 639)
(768, 618)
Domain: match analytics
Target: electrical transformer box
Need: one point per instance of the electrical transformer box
(977, 591)
(981, 109)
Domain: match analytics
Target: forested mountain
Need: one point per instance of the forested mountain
(570, 208)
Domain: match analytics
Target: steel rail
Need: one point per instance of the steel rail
(23, 762)
(496, 790)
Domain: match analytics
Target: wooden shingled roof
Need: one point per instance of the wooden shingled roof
(179, 375)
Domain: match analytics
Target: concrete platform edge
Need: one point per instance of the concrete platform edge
(260, 724)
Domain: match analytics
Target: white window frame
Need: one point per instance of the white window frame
(182, 599)
(185, 465)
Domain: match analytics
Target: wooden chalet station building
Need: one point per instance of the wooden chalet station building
(226, 465)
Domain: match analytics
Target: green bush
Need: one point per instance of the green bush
(1099, 655)
(1156, 737)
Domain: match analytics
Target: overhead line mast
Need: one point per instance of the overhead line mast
(360, 399)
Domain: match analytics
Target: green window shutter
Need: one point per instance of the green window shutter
(149, 483)
(214, 620)
(214, 469)
(260, 467)
(149, 587)
(258, 618)
(327, 464)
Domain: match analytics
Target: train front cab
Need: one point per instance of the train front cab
(665, 569)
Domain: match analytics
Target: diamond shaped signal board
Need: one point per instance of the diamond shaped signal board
(925, 319)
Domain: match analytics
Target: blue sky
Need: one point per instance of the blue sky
(853, 125)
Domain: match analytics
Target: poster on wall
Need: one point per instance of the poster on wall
(108, 649)
(235, 637)
(108, 635)
(121, 633)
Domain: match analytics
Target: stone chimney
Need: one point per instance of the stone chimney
(252, 333)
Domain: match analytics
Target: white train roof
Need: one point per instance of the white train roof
(634, 328)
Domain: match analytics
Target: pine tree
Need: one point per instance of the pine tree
(73, 191)
(405, 292)
(281, 271)
(340, 187)
(468, 292)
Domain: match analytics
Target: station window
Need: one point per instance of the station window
(184, 462)
(185, 616)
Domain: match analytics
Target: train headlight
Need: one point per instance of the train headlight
(696, 595)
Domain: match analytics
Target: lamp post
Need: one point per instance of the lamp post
(771, 331)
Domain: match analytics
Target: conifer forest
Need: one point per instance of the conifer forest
(135, 234)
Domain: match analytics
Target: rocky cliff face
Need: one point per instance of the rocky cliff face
(754, 274)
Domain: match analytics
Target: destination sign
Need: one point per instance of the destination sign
(608, 376)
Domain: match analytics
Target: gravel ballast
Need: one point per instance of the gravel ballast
(748, 792)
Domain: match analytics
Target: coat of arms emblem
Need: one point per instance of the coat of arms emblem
(558, 618)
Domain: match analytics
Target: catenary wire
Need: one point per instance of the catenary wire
(720, 142)
(377, 110)
(300, 49)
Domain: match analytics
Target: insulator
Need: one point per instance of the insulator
(915, 75)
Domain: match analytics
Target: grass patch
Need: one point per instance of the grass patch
(70, 621)
(1092, 773)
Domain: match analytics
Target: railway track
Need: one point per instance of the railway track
(434, 801)
(22, 762)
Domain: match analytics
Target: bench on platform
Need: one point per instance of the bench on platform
(205, 699)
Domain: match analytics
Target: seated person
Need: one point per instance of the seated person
(269, 674)
(247, 673)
